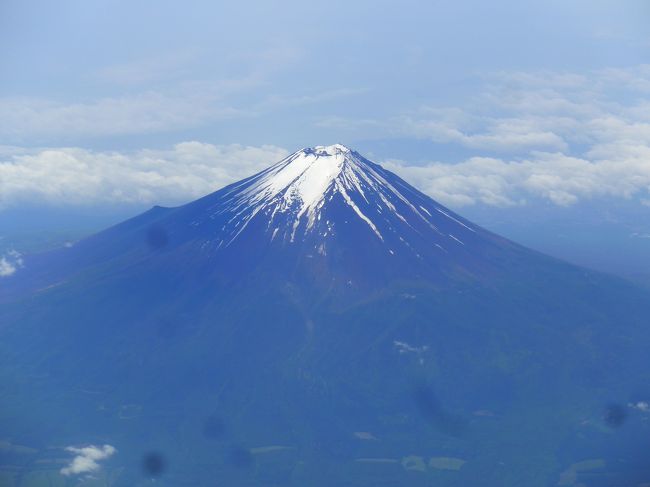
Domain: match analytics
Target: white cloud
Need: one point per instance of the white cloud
(10, 263)
(403, 347)
(643, 406)
(6, 267)
(192, 169)
(87, 459)
(555, 177)
(79, 176)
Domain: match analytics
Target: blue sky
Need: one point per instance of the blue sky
(532, 118)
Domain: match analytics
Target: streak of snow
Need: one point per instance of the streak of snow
(460, 242)
(454, 219)
(349, 201)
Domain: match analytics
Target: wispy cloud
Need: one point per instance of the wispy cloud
(519, 112)
(162, 67)
(153, 95)
(542, 111)
(87, 459)
(147, 112)
(507, 134)
(275, 101)
(403, 347)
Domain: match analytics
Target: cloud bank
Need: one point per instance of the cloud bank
(78, 176)
(556, 177)
(87, 459)
(74, 176)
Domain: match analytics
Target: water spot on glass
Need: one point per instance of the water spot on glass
(615, 415)
(154, 464)
(157, 237)
(432, 410)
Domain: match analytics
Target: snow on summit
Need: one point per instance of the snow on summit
(303, 180)
(317, 190)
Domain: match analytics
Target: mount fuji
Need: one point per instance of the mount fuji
(324, 212)
(321, 323)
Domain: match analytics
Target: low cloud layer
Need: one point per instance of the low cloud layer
(556, 177)
(87, 459)
(73, 176)
(70, 176)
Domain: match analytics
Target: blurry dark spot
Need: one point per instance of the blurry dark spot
(431, 409)
(213, 427)
(157, 237)
(240, 457)
(154, 464)
(427, 402)
(615, 415)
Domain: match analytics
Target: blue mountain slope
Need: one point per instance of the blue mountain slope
(324, 323)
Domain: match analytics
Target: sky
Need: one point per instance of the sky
(530, 118)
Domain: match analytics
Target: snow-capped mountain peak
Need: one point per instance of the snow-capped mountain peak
(319, 191)
(329, 150)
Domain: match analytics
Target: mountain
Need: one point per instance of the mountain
(325, 210)
(321, 323)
